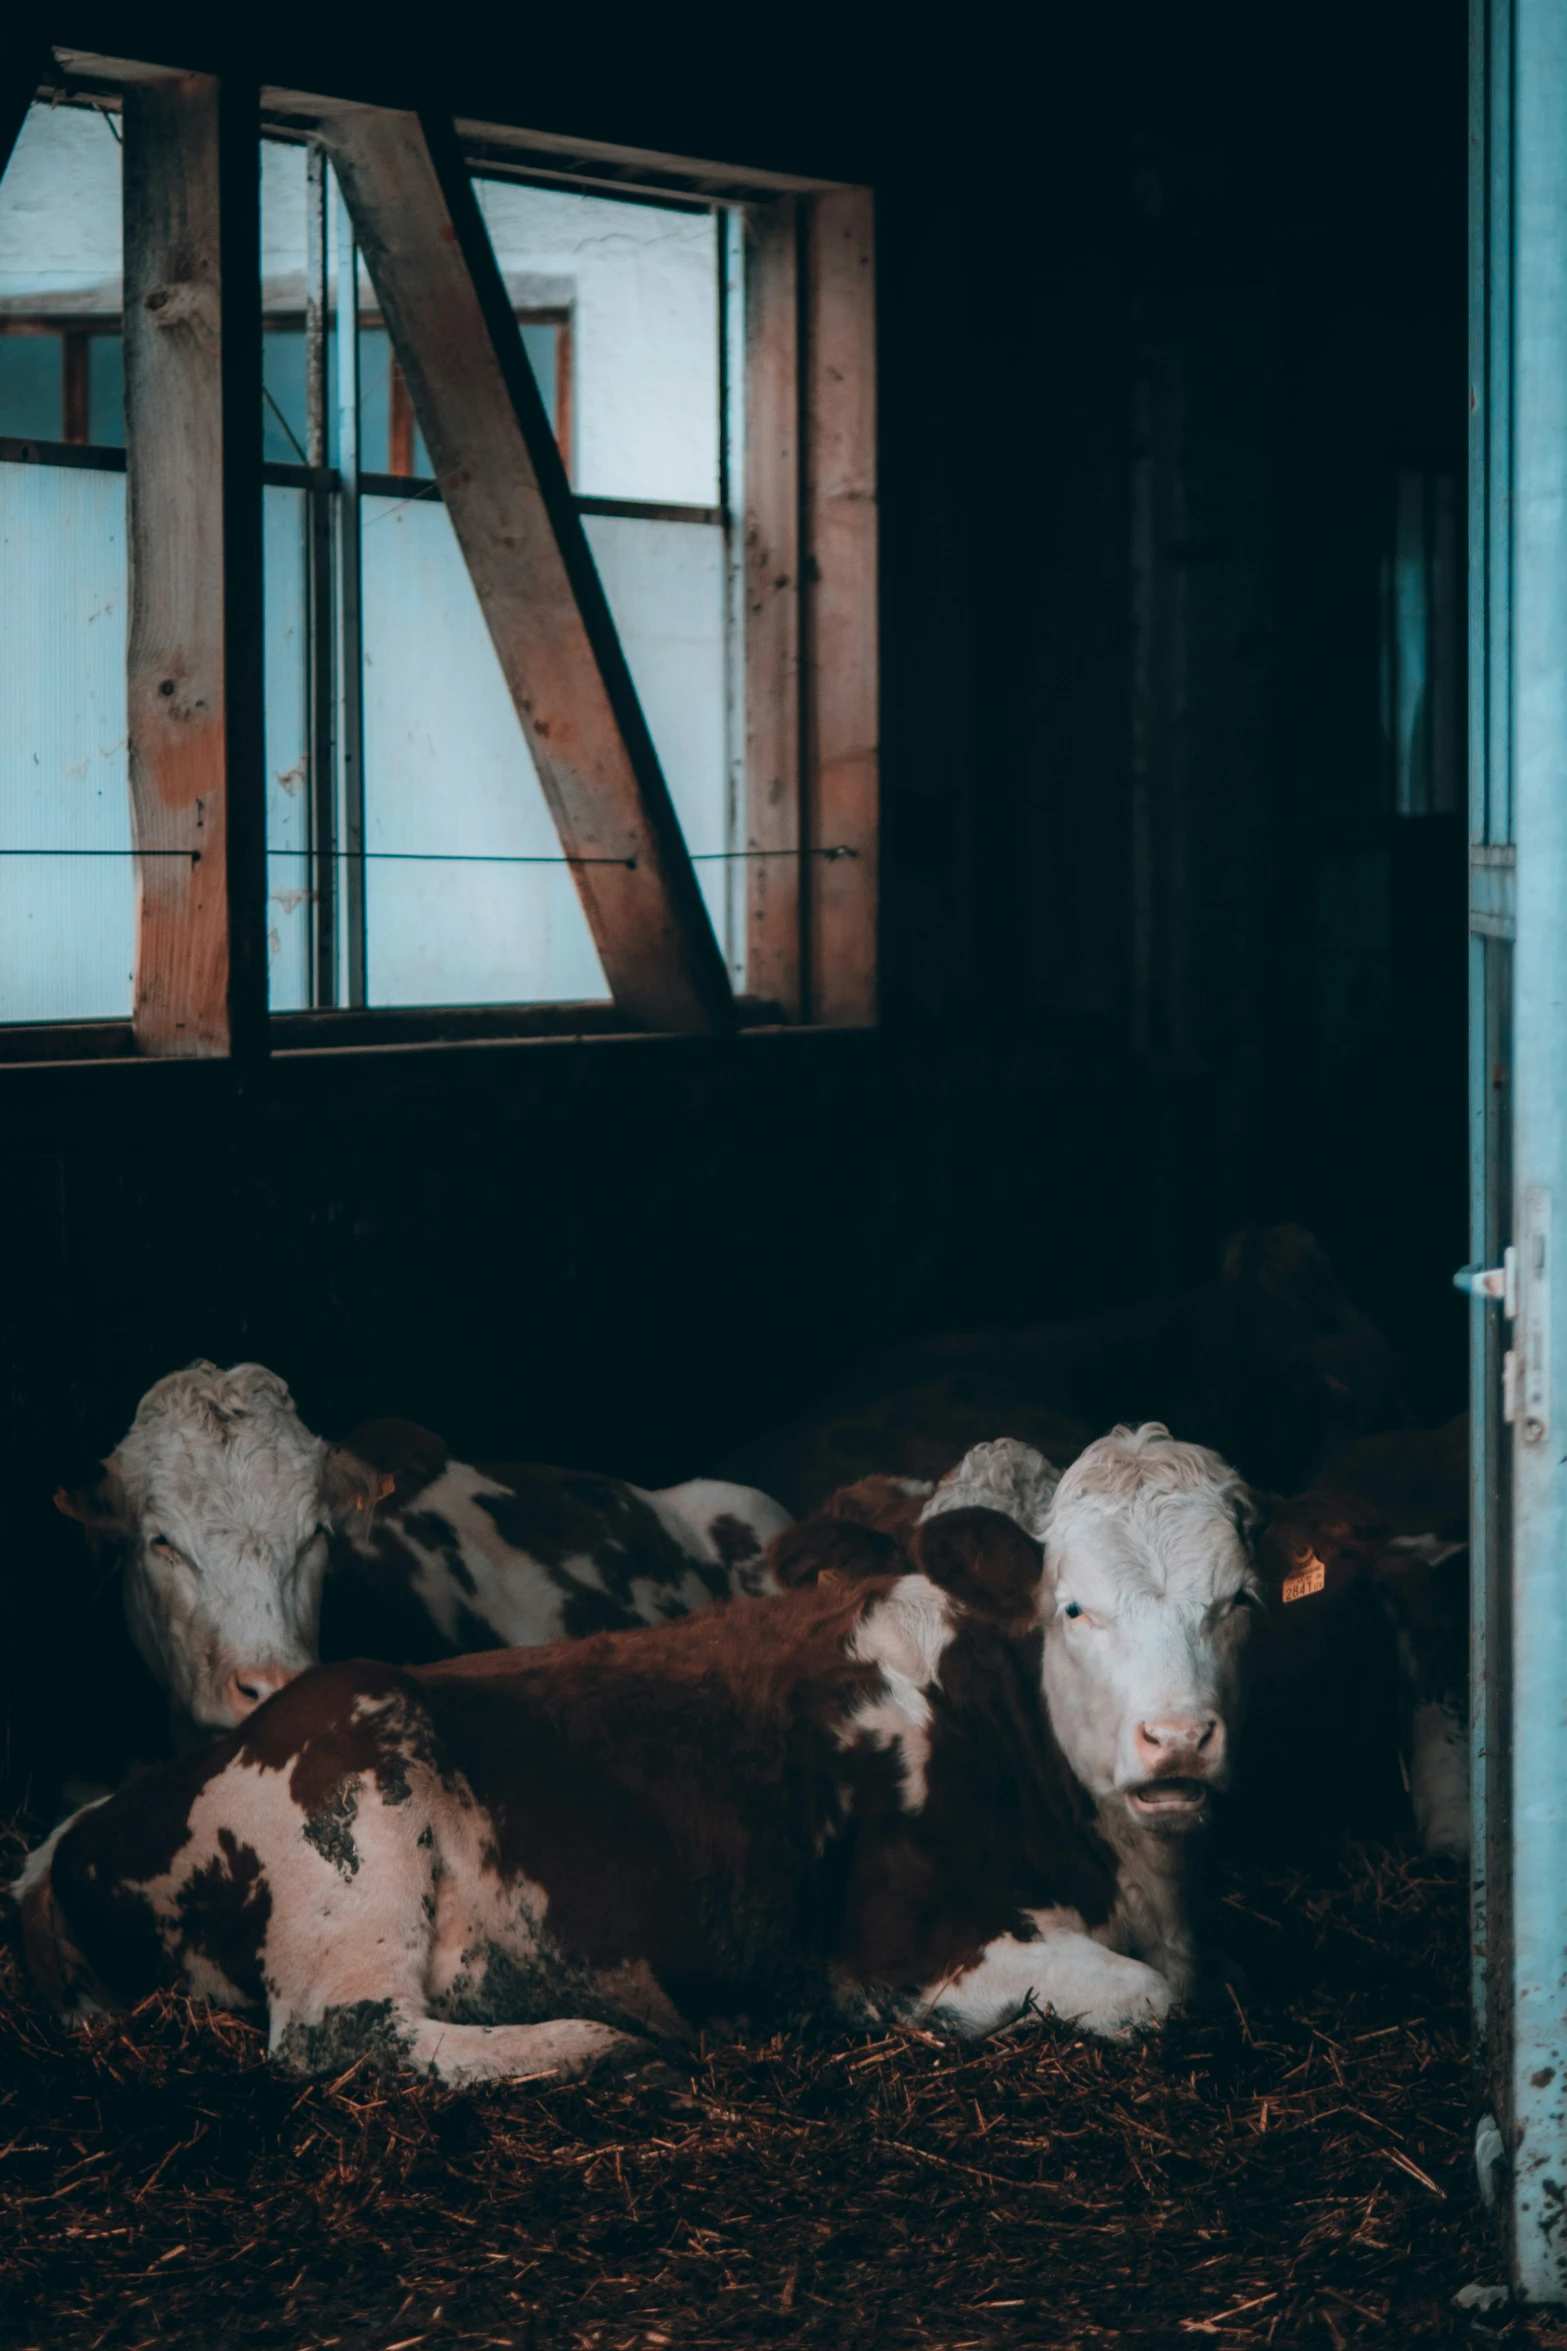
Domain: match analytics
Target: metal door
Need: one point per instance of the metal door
(1518, 1106)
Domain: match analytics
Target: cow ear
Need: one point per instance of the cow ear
(351, 1487)
(1316, 1543)
(984, 1559)
(822, 1547)
(409, 1456)
(98, 1502)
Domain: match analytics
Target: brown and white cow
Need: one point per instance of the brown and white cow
(1365, 1648)
(251, 1548)
(958, 1794)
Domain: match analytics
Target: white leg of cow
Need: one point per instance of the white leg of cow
(461, 2054)
(1064, 1972)
(1439, 1779)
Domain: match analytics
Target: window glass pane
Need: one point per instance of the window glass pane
(665, 584)
(284, 429)
(30, 380)
(375, 359)
(106, 390)
(446, 769)
(67, 923)
(283, 423)
(59, 264)
(542, 343)
(641, 287)
(289, 879)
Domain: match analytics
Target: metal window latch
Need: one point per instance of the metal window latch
(1496, 1284)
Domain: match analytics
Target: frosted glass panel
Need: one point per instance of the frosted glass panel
(446, 769)
(60, 217)
(665, 585)
(289, 878)
(641, 286)
(67, 924)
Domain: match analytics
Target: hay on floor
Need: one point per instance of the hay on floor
(1295, 2170)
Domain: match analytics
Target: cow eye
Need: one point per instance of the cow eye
(161, 1543)
(1072, 1608)
(1245, 1599)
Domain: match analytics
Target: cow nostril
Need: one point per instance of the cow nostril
(1184, 1737)
(250, 1688)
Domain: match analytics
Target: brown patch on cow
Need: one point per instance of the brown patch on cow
(672, 1788)
(334, 1724)
(1005, 1827)
(413, 1457)
(50, 1952)
(225, 1908)
(820, 1547)
(863, 1529)
(733, 1540)
(985, 1560)
(136, 1836)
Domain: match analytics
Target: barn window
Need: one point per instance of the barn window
(535, 660)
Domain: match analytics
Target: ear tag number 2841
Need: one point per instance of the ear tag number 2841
(1305, 1581)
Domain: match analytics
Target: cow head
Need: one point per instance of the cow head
(220, 1502)
(1147, 1598)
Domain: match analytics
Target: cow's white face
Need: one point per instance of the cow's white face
(223, 1501)
(1147, 1600)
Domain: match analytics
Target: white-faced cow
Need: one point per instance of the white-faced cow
(252, 1549)
(1365, 1644)
(960, 1793)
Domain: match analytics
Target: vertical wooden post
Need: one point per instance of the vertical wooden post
(351, 648)
(775, 897)
(321, 591)
(193, 532)
(841, 751)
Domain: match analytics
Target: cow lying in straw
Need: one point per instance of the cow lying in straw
(251, 1549)
(957, 1794)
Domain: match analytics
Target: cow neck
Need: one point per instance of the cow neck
(1152, 1918)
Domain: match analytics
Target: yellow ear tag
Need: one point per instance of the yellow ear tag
(1305, 1581)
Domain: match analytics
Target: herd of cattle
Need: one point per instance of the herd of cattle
(588, 1769)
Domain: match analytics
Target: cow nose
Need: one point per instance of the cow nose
(252, 1686)
(1161, 1746)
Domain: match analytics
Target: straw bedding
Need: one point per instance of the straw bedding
(1292, 2170)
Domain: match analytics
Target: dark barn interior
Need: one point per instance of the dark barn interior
(1170, 312)
(1158, 958)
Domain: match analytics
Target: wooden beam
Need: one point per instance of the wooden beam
(774, 964)
(193, 534)
(840, 638)
(505, 487)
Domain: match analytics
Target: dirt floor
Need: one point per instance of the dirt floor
(1294, 2171)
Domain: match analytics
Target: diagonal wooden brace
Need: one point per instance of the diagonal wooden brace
(441, 293)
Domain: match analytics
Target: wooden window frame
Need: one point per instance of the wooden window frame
(803, 559)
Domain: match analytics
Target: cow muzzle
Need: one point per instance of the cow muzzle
(1183, 1757)
(251, 1686)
